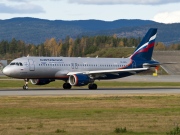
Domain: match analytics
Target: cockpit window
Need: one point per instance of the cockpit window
(12, 63)
(17, 63)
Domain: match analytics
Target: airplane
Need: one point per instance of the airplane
(81, 71)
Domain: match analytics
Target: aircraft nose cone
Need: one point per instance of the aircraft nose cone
(6, 71)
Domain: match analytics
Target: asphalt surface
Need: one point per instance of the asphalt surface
(103, 91)
(100, 91)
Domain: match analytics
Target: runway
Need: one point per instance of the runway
(75, 92)
(101, 91)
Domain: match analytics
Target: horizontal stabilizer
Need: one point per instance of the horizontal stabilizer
(148, 65)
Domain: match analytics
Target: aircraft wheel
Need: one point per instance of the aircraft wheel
(25, 87)
(92, 86)
(67, 86)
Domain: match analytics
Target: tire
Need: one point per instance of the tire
(92, 86)
(67, 86)
(25, 87)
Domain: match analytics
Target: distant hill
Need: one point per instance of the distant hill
(36, 31)
(167, 33)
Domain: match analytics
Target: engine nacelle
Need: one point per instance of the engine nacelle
(41, 81)
(79, 79)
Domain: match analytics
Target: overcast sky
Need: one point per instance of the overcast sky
(166, 11)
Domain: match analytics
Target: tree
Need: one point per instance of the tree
(13, 46)
(160, 46)
(70, 50)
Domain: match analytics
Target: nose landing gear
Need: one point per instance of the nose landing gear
(25, 86)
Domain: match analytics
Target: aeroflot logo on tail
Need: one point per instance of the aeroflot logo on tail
(51, 59)
(146, 46)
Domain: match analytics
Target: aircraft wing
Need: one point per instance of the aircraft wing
(109, 71)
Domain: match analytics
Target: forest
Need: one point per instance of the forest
(79, 47)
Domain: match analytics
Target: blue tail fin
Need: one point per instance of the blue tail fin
(145, 48)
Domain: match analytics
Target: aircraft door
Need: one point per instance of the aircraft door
(31, 65)
(74, 65)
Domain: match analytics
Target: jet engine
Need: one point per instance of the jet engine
(41, 81)
(79, 79)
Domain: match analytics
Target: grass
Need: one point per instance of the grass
(120, 130)
(175, 131)
(127, 115)
(101, 84)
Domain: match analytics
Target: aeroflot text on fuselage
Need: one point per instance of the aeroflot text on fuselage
(51, 59)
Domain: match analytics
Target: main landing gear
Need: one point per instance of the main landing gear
(92, 86)
(67, 86)
(25, 86)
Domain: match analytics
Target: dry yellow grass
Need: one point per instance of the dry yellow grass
(140, 114)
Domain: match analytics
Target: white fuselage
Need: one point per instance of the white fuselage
(59, 67)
